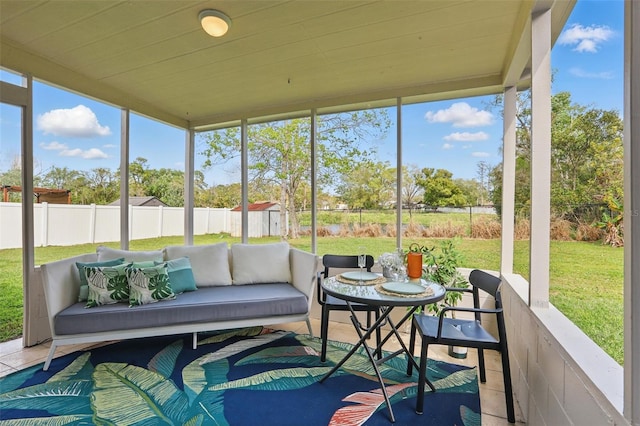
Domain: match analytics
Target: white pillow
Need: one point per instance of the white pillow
(107, 253)
(260, 263)
(209, 263)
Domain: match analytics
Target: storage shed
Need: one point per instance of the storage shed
(264, 220)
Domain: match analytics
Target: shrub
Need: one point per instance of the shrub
(486, 228)
(586, 232)
(561, 230)
(444, 230)
(522, 229)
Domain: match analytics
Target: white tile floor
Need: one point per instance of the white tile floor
(14, 357)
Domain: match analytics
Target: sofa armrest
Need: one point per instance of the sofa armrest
(61, 283)
(304, 267)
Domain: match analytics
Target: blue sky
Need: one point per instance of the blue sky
(454, 135)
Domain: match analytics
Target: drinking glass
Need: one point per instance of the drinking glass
(362, 262)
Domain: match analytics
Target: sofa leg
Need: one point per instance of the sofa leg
(309, 327)
(195, 340)
(52, 351)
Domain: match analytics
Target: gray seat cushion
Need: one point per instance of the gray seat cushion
(204, 305)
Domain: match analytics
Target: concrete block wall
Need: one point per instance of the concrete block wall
(560, 376)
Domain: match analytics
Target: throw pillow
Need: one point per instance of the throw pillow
(107, 253)
(107, 284)
(260, 263)
(84, 287)
(149, 285)
(210, 263)
(180, 275)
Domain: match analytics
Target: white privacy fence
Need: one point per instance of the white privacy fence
(70, 224)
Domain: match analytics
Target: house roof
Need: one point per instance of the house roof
(256, 207)
(141, 201)
(279, 59)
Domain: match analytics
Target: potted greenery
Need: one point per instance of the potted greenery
(441, 266)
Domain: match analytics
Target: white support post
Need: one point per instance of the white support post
(508, 179)
(314, 181)
(540, 159)
(189, 167)
(632, 213)
(399, 173)
(125, 228)
(28, 249)
(244, 172)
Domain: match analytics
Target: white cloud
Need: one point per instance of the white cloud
(579, 72)
(479, 154)
(109, 145)
(53, 146)
(447, 146)
(586, 39)
(461, 114)
(89, 154)
(466, 137)
(77, 122)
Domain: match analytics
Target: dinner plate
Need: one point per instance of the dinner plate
(355, 275)
(403, 288)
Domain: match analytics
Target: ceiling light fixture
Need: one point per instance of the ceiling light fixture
(214, 22)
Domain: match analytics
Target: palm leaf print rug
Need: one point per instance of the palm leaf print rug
(252, 376)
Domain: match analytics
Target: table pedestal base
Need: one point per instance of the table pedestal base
(365, 333)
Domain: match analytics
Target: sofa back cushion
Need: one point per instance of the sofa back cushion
(209, 263)
(108, 253)
(180, 275)
(260, 263)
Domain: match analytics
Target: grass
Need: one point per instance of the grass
(586, 278)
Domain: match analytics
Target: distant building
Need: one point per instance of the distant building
(42, 195)
(141, 201)
(258, 207)
(264, 220)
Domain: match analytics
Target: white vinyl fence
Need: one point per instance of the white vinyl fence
(70, 224)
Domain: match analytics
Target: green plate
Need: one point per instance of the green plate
(355, 276)
(403, 288)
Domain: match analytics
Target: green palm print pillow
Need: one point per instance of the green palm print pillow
(107, 284)
(149, 285)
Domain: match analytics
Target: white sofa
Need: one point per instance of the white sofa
(238, 286)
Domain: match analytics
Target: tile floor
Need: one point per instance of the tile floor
(14, 357)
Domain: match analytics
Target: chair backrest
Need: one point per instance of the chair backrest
(485, 282)
(339, 261)
(344, 262)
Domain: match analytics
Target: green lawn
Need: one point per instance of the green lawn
(586, 278)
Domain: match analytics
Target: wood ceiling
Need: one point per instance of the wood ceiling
(279, 59)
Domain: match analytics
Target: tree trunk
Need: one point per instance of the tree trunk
(283, 213)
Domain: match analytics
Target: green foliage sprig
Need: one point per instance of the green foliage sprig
(442, 267)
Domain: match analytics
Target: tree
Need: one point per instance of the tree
(412, 193)
(279, 152)
(439, 188)
(98, 186)
(482, 171)
(586, 157)
(370, 185)
(472, 190)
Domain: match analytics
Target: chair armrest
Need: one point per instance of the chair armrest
(479, 310)
(456, 309)
(320, 293)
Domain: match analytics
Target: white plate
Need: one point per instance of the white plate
(355, 276)
(403, 288)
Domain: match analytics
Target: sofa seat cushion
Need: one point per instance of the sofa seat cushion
(209, 304)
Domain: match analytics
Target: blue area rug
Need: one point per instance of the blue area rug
(239, 377)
